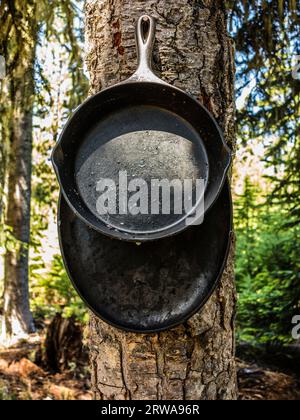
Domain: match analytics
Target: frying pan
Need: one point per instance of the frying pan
(145, 129)
(153, 287)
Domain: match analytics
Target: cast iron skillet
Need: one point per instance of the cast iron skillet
(149, 130)
(152, 287)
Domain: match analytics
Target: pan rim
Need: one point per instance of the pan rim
(162, 86)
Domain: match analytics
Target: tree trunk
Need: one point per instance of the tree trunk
(17, 320)
(5, 25)
(195, 53)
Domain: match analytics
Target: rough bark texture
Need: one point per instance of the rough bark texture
(17, 319)
(193, 52)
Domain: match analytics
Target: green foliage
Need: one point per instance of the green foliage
(51, 291)
(267, 36)
(60, 87)
(267, 270)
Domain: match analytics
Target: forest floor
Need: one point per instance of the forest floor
(265, 383)
(22, 379)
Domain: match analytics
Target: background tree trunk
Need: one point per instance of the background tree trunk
(17, 320)
(193, 52)
(5, 23)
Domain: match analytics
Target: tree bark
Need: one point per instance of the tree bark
(5, 23)
(194, 52)
(17, 319)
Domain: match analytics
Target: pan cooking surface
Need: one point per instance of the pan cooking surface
(152, 287)
(146, 143)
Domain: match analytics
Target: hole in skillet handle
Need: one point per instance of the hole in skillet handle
(145, 28)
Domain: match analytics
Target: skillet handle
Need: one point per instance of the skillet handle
(145, 38)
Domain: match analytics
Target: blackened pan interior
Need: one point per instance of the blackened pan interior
(155, 286)
(140, 143)
(134, 127)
